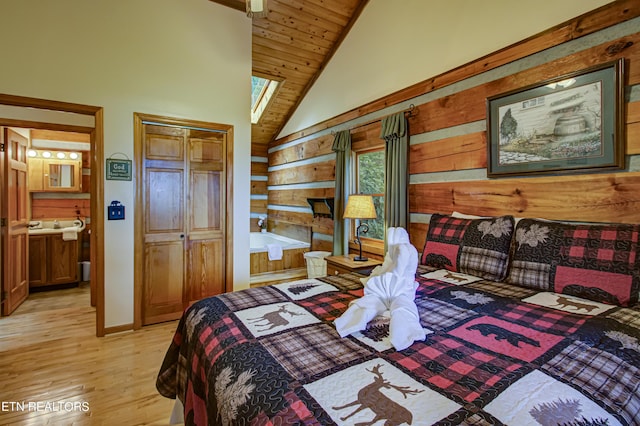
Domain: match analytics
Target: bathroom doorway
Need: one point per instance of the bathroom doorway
(46, 115)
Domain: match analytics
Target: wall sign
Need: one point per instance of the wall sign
(118, 169)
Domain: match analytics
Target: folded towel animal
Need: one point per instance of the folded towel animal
(390, 287)
(274, 251)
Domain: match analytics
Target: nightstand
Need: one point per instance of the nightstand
(345, 264)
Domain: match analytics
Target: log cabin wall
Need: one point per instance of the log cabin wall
(448, 138)
(258, 185)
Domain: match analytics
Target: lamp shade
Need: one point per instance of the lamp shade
(360, 207)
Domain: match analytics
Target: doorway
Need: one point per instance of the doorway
(33, 113)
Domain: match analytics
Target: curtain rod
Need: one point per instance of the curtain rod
(410, 110)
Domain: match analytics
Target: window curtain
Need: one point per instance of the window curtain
(396, 204)
(342, 148)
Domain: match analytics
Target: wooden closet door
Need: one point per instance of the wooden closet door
(205, 243)
(164, 225)
(184, 180)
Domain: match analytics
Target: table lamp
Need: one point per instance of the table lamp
(360, 206)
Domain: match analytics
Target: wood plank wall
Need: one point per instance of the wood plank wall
(448, 153)
(258, 185)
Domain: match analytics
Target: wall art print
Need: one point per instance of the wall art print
(572, 123)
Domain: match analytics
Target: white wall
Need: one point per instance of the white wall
(395, 44)
(187, 59)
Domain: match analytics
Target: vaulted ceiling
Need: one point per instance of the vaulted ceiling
(293, 43)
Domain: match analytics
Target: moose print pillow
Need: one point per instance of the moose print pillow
(596, 262)
(478, 247)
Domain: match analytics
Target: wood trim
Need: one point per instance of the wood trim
(118, 328)
(96, 239)
(138, 244)
(588, 23)
(229, 212)
(22, 101)
(234, 4)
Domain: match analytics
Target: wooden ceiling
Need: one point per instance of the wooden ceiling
(293, 43)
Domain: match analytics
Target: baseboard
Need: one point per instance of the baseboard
(118, 328)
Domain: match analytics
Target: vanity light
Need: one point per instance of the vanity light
(60, 155)
(73, 156)
(32, 153)
(46, 154)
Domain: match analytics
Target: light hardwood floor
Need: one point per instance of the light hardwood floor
(49, 354)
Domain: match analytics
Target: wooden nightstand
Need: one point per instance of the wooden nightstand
(344, 264)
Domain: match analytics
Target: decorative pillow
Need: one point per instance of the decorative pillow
(477, 247)
(596, 262)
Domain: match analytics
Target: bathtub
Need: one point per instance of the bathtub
(258, 242)
(292, 252)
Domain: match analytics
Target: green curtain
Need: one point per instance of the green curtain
(342, 148)
(396, 204)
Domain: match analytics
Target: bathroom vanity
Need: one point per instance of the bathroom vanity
(53, 253)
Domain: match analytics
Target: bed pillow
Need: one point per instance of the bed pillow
(478, 247)
(596, 262)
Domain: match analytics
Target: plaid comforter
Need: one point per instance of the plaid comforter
(495, 354)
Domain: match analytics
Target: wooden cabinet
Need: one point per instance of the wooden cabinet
(35, 174)
(345, 264)
(54, 175)
(52, 260)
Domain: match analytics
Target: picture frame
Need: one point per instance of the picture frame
(569, 124)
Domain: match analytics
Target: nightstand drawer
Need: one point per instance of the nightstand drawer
(337, 270)
(345, 264)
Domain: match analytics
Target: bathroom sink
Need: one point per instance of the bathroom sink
(40, 227)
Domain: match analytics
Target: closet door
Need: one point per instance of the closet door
(164, 226)
(205, 226)
(184, 173)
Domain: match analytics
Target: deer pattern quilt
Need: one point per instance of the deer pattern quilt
(494, 354)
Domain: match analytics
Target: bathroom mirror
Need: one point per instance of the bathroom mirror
(61, 175)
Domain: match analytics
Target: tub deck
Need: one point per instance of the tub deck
(268, 278)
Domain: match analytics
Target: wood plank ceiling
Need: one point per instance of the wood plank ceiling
(293, 43)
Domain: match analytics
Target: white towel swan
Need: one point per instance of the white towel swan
(390, 287)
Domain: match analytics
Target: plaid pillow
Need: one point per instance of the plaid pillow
(596, 262)
(478, 247)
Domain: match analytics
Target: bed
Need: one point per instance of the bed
(527, 322)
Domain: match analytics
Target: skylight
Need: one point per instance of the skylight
(262, 89)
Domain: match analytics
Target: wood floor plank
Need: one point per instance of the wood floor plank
(49, 355)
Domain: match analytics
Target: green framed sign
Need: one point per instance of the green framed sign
(118, 169)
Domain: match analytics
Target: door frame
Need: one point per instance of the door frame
(96, 205)
(138, 127)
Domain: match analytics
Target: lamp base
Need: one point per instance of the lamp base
(360, 259)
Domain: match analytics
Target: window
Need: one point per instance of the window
(262, 90)
(369, 179)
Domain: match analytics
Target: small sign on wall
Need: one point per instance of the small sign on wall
(118, 169)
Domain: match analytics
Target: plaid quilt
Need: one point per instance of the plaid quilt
(494, 354)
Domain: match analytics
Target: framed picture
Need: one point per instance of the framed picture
(569, 124)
